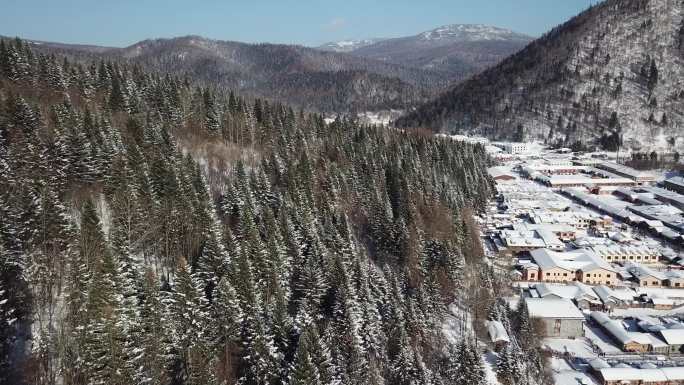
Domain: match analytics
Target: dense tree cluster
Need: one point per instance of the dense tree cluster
(156, 232)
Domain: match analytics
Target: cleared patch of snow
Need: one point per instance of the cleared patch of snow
(600, 340)
(470, 32)
(579, 347)
(456, 324)
(572, 377)
(489, 358)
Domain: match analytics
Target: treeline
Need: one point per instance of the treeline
(324, 82)
(156, 232)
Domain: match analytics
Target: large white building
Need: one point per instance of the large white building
(560, 317)
(577, 265)
(516, 147)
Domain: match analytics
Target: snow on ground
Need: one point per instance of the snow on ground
(489, 358)
(456, 324)
(513, 301)
(572, 377)
(563, 374)
(601, 340)
(580, 347)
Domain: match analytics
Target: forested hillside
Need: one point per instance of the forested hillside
(611, 74)
(156, 232)
(324, 82)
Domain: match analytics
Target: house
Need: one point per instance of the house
(565, 181)
(501, 174)
(627, 253)
(522, 240)
(645, 276)
(559, 316)
(611, 299)
(647, 376)
(636, 342)
(675, 184)
(529, 271)
(674, 278)
(497, 334)
(578, 219)
(577, 265)
(563, 231)
(661, 303)
(582, 295)
(674, 339)
(514, 148)
(640, 177)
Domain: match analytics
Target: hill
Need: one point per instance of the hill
(303, 77)
(348, 45)
(157, 231)
(614, 71)
(456, 51)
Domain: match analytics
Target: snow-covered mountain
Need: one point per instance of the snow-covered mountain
(348, 45)
(614, 71)
(312, 79)
(471, 32)
(456, 51)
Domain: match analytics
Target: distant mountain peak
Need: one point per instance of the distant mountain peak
(471, 32)
(348, 45)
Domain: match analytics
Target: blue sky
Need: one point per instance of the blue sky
(307, 22)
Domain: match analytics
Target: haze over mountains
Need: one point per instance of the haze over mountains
(613, 71)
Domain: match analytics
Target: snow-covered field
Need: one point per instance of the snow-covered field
(575, 347)
(601, 340)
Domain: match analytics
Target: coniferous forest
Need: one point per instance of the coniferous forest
(157, 232)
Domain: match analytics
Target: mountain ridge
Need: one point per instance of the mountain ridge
(301, 76)
(456, 51)
(613, 71)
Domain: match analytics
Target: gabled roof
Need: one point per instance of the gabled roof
(664, 374)
(497, 332)
(673, 336)
(576, 290)
(642, 272)
(618, 332)
(576, 260)
(558, 308)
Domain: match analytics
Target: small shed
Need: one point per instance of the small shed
(497, 334)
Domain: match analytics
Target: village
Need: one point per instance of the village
(594, 248)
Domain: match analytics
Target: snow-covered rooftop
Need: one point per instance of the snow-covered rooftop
(560, 308)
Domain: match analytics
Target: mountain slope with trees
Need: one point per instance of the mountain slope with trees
(455, 51)
(154, 231)
(318, 81)
(612, 74)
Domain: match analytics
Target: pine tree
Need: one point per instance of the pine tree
(154, 351)
(304, 370)
(187, 315)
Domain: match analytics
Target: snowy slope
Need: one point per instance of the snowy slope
(621, 57)
(456, 51)
(471, 32)
(348, 45)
